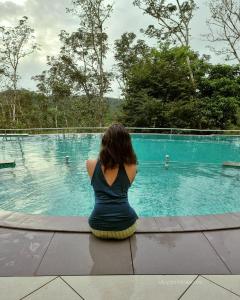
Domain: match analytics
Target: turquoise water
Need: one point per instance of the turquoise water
(195, 182)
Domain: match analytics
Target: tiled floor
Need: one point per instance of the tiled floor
(117, 287)
(58, 256)
(21, 251)
(175, 253)
(83, 254)
(31, 253)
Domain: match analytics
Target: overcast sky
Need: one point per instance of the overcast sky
(48, 17)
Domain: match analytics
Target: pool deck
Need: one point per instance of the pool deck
(32, 245)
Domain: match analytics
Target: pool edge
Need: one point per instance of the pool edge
(16, 220)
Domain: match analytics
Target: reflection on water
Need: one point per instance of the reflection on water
(194, 182)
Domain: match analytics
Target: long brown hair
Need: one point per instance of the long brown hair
(116, 147)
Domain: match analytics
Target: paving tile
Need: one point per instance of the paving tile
(210, 222)
(230, 282)
(204, 289)
(145, 224)
(84, 254)
(229, 220)
(14, 288)
(227, 245)
(168, 224)
(137, 287)
(190, 223)
(55, 290)
(175, 253)
(56, 223)
(21, 251)
(237, 214)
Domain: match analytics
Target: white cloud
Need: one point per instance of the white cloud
(18, 2)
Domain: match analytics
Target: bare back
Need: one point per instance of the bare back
(111, 174)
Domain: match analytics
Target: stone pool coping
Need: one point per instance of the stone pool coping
(16, 220)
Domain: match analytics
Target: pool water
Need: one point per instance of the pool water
(193, 183)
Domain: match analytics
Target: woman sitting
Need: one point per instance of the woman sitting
(111, 176)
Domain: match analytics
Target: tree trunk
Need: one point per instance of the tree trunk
(14, 94)
(14, 111)
(56, 119)
(191, 73)
(66, 121)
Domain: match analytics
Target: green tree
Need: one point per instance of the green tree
(221, 80)
(156, 79)
(173, 23)
(128, 52)
(159, 93)
(204, 113)
(79, 68)
(86, 49)
(15, 44)
(56, 85)
(143, 111)
(163, 74)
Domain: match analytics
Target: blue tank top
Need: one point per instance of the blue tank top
(111, 210)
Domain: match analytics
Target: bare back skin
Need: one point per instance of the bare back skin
(111, 174)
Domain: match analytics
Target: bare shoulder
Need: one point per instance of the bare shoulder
(91, 162)
(131, 171)
(132, 167)
(90, 165)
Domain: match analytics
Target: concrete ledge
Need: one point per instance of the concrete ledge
(9, 219)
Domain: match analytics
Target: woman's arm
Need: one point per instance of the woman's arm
(131, 171)
(90, 166)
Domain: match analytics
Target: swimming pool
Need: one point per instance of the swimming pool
(192, 183)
